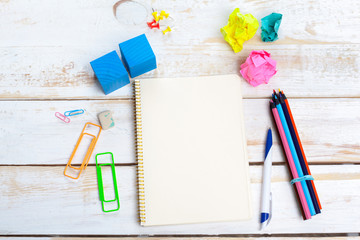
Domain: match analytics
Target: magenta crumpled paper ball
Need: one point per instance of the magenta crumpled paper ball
(258, 68)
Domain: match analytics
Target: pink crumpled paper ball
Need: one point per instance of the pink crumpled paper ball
(258, 68)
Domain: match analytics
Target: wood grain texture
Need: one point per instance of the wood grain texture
(40, 200)
(184, 238)
(243, 238)
(137, 55)
(65, 72)
(31, 134)
(110, 72)
(45, 53)
(45, 50)
(31, 123)
(93, 22)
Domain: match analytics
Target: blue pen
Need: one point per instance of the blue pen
(266, 201)
(295, 156)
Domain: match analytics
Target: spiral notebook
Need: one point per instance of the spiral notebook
(191, 150)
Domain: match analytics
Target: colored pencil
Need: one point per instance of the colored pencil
(290, 160)
(300, 150)
(294, 155)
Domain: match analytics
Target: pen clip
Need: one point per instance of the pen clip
(270, 209)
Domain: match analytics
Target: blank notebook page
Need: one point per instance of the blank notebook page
(194, 150)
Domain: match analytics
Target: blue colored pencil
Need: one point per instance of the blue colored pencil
(294, 155)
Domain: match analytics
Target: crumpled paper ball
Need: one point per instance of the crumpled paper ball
(239, 29)
(258, 68)
(270, 26)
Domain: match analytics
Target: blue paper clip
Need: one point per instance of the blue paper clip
(74, 112)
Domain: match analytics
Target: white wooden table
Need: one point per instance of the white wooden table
(45, 50)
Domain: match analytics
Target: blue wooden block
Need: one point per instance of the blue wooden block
(137, 55)
(110, 72)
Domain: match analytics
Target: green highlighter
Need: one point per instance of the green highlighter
(100, 182)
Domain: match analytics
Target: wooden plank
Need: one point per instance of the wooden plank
(48, 52)
(40, 200)
(329, 236)
(35, 136)
(31, 134)
(65, 72)
(92, 22)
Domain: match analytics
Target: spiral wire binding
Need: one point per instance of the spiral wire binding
(139, 152)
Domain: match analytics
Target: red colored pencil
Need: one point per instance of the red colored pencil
(302, 150)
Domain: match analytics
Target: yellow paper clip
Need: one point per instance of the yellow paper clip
(88, 152)
(163, 14)
(156, 17)
(168, 29)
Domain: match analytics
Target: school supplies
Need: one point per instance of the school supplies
(137, 55)
(163, 14)
(270, 27)
(299, 153)
(110, 72)
(266, 200)
(138, 58)
(239, 29)
(306, 169)
(94, 138)
(62, 117)
(106, 120)
(258, 68)
(155, 23)
(74, 112)
(300, 192)
(168, 29)
(191, 150)
(294, 156)
(156, 16)
(101, 184)
(295, 153)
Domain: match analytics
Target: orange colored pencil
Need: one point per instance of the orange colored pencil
(302, 150)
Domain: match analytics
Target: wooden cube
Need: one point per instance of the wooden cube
(110, 72)
(137, 55)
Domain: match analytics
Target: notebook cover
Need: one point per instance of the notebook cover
(192, 161)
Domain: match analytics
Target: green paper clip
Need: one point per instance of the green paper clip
(100, 182)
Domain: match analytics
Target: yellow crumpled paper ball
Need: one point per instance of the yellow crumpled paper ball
(239, 29)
